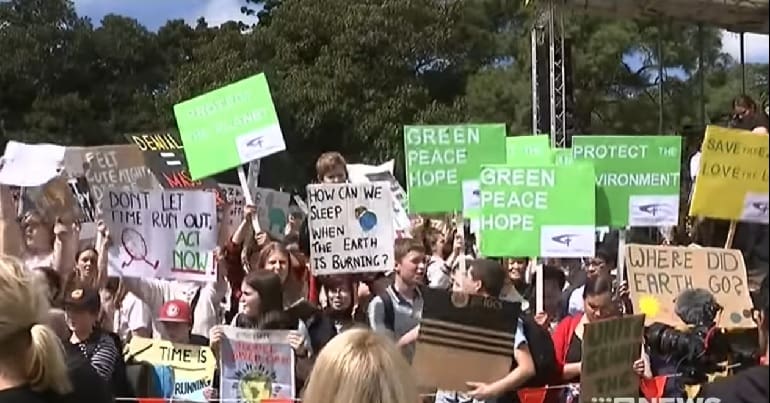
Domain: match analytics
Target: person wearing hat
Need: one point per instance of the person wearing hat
(82, 307)
(176, 319)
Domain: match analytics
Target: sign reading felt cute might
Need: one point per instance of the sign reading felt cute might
(351, 228)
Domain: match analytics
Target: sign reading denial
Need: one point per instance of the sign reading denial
(162, 234)
(351, 228)
(657, 274)
(610, 348)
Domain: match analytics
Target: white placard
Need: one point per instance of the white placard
(30, 165)
(362, 173)
(162, 233)
(234, 196)
(351, 228)
(272, 210)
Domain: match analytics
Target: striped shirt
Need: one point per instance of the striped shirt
(101, 352)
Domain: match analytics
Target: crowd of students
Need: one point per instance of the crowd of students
(51, 295)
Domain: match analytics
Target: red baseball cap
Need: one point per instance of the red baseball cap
(175, 311)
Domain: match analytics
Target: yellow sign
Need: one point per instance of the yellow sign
(732, 181)
(182, 371)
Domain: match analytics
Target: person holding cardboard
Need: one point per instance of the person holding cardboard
(486, 277)
(599, 303)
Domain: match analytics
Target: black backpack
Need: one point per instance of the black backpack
(543, 353)
(390, 314)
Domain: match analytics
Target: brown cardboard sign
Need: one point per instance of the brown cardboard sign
(115, 166)
(54, 200)
(464, 338)
(658, 274)
(610, 348)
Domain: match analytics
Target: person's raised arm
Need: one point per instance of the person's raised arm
(10, 231)
(245, 228)
(103, 255)
(205, 315)
(65, 246)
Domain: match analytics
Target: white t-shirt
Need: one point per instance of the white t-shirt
(133, 315)
(694, 165)
(438, 274)
(156, 292)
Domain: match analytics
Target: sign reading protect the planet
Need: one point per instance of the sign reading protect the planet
(228, 127)
(543, 211)
(440, 158)
(351, 228)
(637, 178)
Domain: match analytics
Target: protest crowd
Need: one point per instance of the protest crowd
(488, 278)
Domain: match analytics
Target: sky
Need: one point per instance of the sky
(154, 13)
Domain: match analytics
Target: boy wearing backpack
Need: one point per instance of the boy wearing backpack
(486, 277)
(397, 310)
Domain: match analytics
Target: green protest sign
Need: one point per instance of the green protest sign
(543, 211)
(527, 150)
(228, 127)
(440, 158)
(562, 156)
(637, 178)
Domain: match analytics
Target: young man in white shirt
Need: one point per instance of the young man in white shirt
(403, 296)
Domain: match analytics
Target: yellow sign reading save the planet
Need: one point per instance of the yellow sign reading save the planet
(732, 181)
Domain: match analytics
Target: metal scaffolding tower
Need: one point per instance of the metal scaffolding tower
(549, 29)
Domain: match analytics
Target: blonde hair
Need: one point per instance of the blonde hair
(23, 309)
(361, 366)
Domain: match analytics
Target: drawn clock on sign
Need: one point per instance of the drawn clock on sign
(136, 248)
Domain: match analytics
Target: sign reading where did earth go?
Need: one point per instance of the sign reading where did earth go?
(229, 126)
(537, 211)
(351, 228)
(658, 274)
(440, 158)
(162, 233)
(637, 178)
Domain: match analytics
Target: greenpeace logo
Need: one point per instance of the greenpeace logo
(564, 239)
(761, 208)
(255, 142)
(655, 400)
(653, 209)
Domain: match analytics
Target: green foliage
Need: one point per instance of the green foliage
(347, 74)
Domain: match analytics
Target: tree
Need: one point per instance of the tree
(347, 75)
